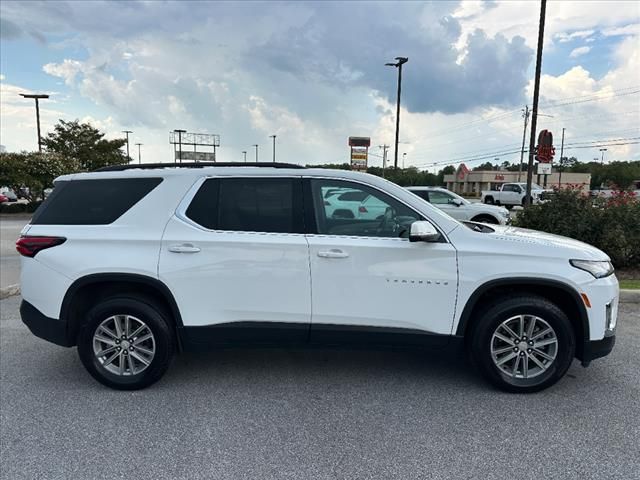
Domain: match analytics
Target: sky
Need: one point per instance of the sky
(313, 74)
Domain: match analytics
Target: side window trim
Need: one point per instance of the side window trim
(181, 210)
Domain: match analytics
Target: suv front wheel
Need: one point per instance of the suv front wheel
(523, 344)
(126, 343)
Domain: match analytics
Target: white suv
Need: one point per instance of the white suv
(133, 263)
(460, 208)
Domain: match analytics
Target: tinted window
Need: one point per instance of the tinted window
(248, 205)
(92, 202)
(357, 196)
(439, 198)
(378, 215)
(421, 193)
(508, 188)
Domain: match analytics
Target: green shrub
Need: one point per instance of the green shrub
(13, 207)
(611, 225)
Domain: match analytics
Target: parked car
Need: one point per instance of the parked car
(461, 208)
(342, 202)
(133, 263)
(3, 198)
(511, 194)
(9, 194)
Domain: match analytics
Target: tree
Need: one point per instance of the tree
(85, 144)
(35, 171)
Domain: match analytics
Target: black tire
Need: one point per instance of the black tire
(155, 319)
(491, 318)
(485, 219)
(489, 200)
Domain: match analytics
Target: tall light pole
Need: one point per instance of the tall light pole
(256, 145)
(180, 132)
(536, 95)
(274, 147)
(244, 152)
(37, 97)
(400, 61)
(127, 132)
(404, 155)
(602, 150)
(139, 156)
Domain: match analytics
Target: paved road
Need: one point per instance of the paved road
(9, 258)
(313, 414)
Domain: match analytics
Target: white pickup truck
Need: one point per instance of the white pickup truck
(511, 194)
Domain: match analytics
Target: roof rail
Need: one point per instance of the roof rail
(148, 166)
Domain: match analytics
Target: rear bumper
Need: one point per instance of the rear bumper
(50, 329)
(598, 348)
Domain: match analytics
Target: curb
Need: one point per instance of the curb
(626, 296)
(9, 291)
(629, 296)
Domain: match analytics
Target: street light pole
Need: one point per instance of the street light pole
(404, 155)
(37, 97)
(256, 145)
(139, 156)
(127, 132)
(274, 147)
(602, 158)
(400, 61)
(180, 132)
(244, 152)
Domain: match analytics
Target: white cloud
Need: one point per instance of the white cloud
(577, 52)
(633, 29)
(68, 70)
(567, 37)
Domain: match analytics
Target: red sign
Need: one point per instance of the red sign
(499, 177)
(545, 150)
(462, 171)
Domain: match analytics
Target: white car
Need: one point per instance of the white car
(133, 263)
(512, 194)
(461, 208)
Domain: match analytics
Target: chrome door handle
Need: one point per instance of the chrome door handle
(333, 253)
(184, 248)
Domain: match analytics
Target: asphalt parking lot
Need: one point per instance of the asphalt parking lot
(313, 414)
(9, 259)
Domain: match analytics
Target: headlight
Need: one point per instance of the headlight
(504, 212)
(598, 269)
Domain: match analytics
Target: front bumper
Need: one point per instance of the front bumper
(597, 349)
(50, 329)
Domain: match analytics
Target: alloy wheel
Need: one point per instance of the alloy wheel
(524, 346)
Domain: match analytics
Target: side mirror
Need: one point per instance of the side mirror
(457, 202)
(422, 231)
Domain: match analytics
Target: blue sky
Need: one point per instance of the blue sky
(313, 73)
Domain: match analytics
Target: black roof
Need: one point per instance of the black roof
(147, 166)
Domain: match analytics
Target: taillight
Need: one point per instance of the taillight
(29, 246)
(362, 209)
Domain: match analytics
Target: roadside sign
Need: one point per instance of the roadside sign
(544, 169)
(545, 150)
(195, 156)
(359, 152)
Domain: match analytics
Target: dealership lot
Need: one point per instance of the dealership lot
(313, 414)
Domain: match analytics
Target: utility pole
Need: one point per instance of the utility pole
(244, 152)
(561, 160)
(180, 132)
(127, 132)
(602, 150)
(255, 145)
(139, 156)
(384, 157)
(400, 61)
(37, 97)
(274, 147)
(536, 94)
(525, 114)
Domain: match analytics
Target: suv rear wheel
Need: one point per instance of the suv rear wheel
(126, 343)
(523, 344)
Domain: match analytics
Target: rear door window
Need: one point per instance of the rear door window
(92, 202)
(249, 205)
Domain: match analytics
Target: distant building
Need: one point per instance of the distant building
(471, 183)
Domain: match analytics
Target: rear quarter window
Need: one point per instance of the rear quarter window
(92, 202)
